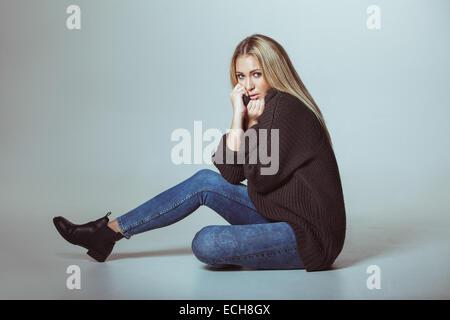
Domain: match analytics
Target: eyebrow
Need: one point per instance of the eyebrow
(250, 71)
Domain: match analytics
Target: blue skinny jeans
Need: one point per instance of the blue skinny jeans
(250, 240)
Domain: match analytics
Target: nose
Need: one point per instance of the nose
(248, 84)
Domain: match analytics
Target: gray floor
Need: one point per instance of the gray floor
(87, 116)
(413, 258)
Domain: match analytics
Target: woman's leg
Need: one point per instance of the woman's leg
(260, 246)
(205, 187)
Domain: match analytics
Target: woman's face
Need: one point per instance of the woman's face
(249, 74)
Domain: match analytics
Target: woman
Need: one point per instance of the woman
(288, 217)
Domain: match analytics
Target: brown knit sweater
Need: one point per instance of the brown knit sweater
(306, 191)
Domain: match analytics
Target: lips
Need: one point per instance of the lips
(254, 96)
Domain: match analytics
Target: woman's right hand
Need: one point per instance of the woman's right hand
(239, 109)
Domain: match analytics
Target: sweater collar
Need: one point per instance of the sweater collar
(269, 95)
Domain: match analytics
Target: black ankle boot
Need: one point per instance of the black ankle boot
(95, 236)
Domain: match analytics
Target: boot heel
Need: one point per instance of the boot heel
(97, 256)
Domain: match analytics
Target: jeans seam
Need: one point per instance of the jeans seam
(160, 214)
(122, 229)
(229, 197)
(181, 202)
(241, 257)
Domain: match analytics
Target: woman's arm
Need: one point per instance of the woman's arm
(231, 142)
(235, 134)
(232, 171)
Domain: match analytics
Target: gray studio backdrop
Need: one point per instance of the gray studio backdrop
(86, 115)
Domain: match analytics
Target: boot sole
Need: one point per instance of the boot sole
(97, 256)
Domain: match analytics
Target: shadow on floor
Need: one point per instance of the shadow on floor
(154, 253)
(139, 254)
(363, 243)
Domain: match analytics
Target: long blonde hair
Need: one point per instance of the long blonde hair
(278, 71)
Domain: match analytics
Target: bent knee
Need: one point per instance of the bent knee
(208, 177)
(206, 173)
(204, 245)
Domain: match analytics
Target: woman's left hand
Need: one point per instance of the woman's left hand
(255, 108)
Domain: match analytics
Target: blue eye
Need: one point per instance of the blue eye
(258, 73)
